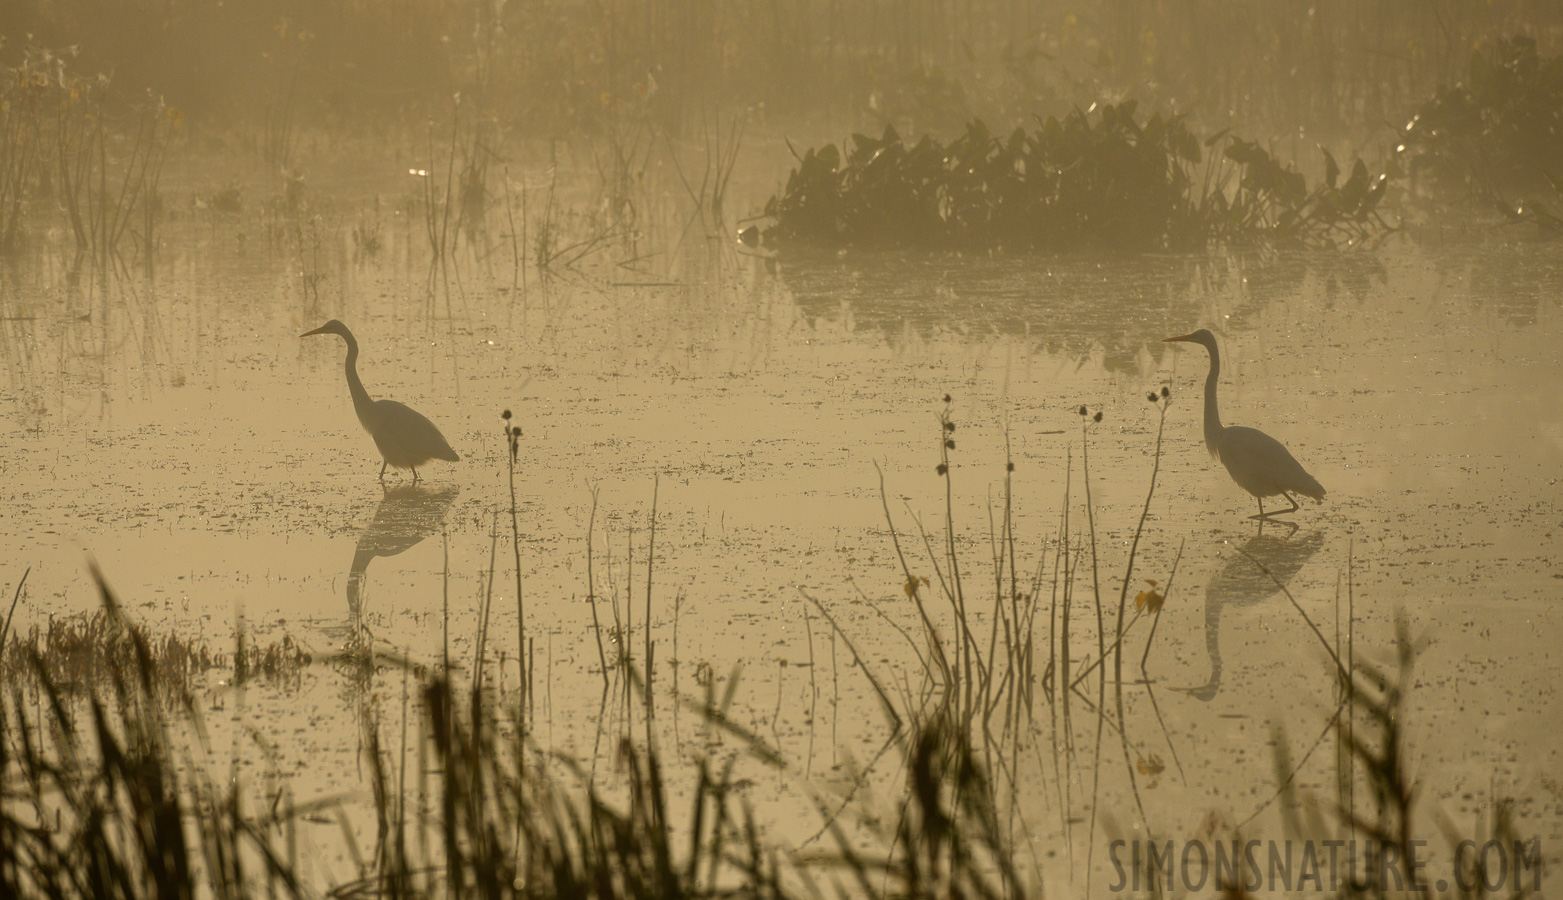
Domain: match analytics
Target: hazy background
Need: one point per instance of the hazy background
(554, 67)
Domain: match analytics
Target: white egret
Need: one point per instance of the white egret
(1255, 460)
(404, 437)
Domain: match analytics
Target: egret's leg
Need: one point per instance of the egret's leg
(1284, 523)
(382, 473)
(414, 474)
(1278, 512)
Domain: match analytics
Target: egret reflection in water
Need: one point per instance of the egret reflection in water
(406, 515)
(1240, 583)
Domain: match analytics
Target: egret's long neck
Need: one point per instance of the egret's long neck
(361, 401)
(1212, 414)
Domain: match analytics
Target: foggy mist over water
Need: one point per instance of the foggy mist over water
(676, 448)
(560, 69)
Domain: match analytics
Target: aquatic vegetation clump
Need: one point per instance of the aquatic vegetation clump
(1096, 178)
(108, 805)
(1497, 134)
(72, 654)
(1082, 179)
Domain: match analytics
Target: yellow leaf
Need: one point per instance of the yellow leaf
(1150, 765)
(1148, 601)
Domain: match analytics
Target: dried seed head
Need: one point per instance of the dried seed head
(1165, 393)
(949, 444)
(1151, 396)
(946, 398)
(1009, 467)
(515, 431)
(949, 426)
(942, 469)
(1097, 417)
(1082, 411)
(505, 415)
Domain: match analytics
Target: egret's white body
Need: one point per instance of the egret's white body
(404, 437)
(1256, 461)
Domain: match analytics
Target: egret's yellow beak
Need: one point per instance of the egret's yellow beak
(1182, 337)
(322, 329)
